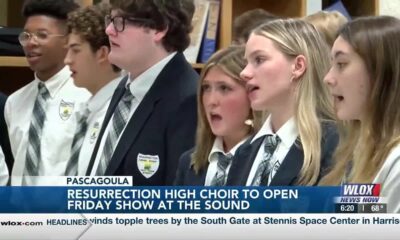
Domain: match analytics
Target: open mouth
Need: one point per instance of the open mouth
(113, 44)
(73, 73)
(338, 98)
(215, 117)
(252, 88)
(72, 70)
(252, 91)
(32, 56)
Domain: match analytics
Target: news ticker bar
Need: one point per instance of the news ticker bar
(196, 226)
(360, 208)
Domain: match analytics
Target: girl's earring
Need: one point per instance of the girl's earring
(249, 122)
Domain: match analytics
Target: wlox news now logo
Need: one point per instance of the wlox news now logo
(360, 193)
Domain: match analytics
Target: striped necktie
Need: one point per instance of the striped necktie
(33, 151)
(223, 163)
(80, 132)
(265, 167)
(120, 118)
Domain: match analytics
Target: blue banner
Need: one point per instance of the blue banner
(168, 199)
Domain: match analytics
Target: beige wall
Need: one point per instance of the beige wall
(3, 12)
(389, 7)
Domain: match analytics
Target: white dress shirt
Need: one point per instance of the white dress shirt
(287, 133)
(3, 169)
(138, 86)
(97, 106)
(389, 178)
(213, 158)
(58, 128)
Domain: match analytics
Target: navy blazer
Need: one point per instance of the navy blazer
(4, 139)
(288, 172)
(185, 175)
(162, 126)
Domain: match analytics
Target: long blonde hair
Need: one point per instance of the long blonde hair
(327, 23)
(364, 145)
(313, 104)
(231, 61)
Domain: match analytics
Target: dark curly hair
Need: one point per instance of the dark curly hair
(176, 15)
(88, 23)
(58, 9)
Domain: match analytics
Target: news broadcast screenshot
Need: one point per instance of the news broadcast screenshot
(199, 119)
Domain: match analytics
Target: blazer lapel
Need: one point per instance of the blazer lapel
(243, 162)
(143, 111)
(132, 130)
(197, 179)
(290, 167)
(119, 92)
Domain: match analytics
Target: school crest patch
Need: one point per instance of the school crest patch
(148, 164)
(66, 109)
(94, 132)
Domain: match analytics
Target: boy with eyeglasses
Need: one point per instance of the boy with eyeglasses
(151, 119)
(40, 116)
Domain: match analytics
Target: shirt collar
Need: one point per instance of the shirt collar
(287, 133)
(103, 95)
(219, 148)
(141, 84)
(56, 82)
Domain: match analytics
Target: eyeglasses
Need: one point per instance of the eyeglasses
(39, 37)
(119, 22)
